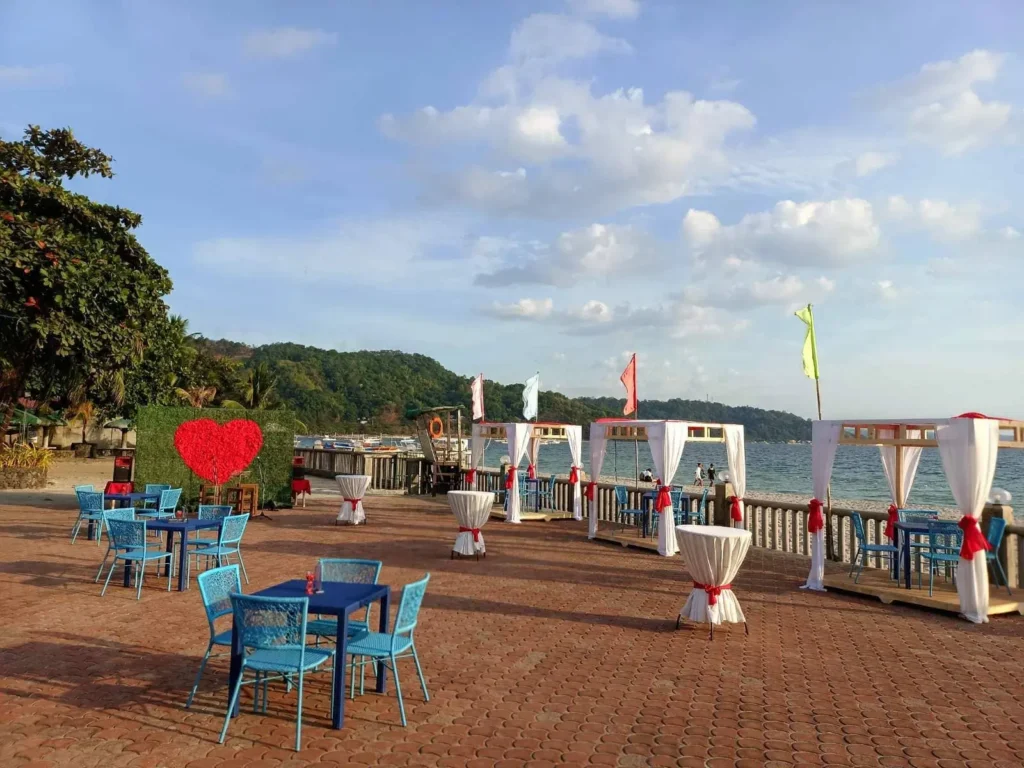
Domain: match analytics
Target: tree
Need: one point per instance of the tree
(258, 391)
(83, 411)
(79, 295)
(197, 397)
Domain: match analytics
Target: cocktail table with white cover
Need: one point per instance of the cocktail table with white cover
(472, 509)
(352, 488)
(713, 554)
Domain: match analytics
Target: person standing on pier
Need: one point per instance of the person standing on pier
(698, 475)
(711, 474)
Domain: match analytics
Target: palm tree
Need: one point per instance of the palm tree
(197, 397)
(84, 410)
(259, 387)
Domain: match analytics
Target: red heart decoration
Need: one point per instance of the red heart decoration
(218, 452)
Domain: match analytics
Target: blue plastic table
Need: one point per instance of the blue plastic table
(182, 528)
(904, 531)
(338, 599)
(130, 499)
(647, 503)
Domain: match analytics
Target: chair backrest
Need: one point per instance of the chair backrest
(216, 587)
(621, 497)
(858, 527)
(90, 501)
(157, 487)
(277, 623)
(125, 513)
(354, 571)
(86, 488)
(214, 511)
(409, 605)
(916, 515)
(996, 529)
(551, 483)
(232, 528)
(703, 501)
(127, 534)
(677, 499)
(944, 533)
(169, 499)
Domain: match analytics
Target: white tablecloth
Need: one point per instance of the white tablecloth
(352, 488)
(713, 555)
(472, 509)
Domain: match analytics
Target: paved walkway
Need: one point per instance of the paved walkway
(550, 651)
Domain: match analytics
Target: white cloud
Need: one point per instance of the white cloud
(787, 290)
(613, 9)
(941, 107)
(886, 290)
(524, 309)
(31, 77)
(286, 42)
(870, 162)
(944, 221)
(207, 84)
(832, 233)
(544, 39)
(1009, 233)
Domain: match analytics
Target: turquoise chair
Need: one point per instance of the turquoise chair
(228, 543)
(621, 507)
(90, 509)
(996, 529)
(208, 512)
(339, 569)
(216, 587)
(86, 488)
(699, 510)
(273, 635)
(388, 647)
(944, 540)
(155, 488)
(126, 513)
(864, 549)
(166, 507)
(128, 537)
(546, 493)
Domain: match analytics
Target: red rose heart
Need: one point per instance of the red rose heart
(218, 452)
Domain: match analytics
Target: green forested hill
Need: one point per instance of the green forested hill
(332, 391)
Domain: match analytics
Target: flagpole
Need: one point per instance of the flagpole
(829, 547)
(636, 441)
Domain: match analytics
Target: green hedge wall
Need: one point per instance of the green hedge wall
(157, 461)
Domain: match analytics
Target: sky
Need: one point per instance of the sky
(512, 187)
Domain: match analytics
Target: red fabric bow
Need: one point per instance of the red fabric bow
(531, 473)
(973, 539)
(712, 590)
(510, 478)
(353, 502)
(815, 520)
(890, 524)
(474, 531)
(591, 490)
(574, 475)
(664, 500)
(736, 508)
(471, 477)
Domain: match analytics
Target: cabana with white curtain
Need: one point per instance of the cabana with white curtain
(968, 446)
(667, 440)
(524, 439)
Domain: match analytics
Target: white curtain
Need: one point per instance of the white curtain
(575, 438)
(597, 443)
(518, 436)
(667, 440)
(911, 458)
(477, 444)
(824, 442)
(968, 448)
(735, 454)
(534, 452)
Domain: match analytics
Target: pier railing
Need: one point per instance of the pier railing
(395, 472)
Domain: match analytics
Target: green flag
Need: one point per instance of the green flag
(810, 354)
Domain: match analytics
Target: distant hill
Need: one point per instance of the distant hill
(333, 391)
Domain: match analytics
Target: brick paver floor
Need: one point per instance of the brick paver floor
(550, 651)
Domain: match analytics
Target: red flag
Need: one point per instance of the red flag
(628, 379)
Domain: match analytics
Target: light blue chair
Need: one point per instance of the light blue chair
(208, 512)
(864, 549)
(388, 647)
(546, 493)
(338, 569)
(273, 634)
(86, 488)
(155, 488)
(128, 538)
(996, 529)
(228, 543)
(622, 507)
(216, 587)
(944, 540)
(698, 513)
(125, 513)
(166, 507)
(90, 509)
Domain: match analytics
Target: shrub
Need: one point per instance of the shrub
(24, 456)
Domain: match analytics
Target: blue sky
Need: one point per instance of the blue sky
(522, 186)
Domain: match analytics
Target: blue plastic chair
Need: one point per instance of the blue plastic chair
(128, 537)
(388, 647)
(125, 513)
(697, 514)
(216, 587)
(864, 549)
(273, 634)
(339, 569)
(546, 493)
(90, 508)
(944, 540)
(996, 529)
(228, 543)
(917, 541)
(209, 512)
(86, 488)
(155, 488)
(166, 507)
(622, 504)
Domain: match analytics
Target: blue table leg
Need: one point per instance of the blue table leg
(385, 603)
(340, 661)
(170, 548)
(905, 550)
(236, 662)
(128, 572)
(182, 557)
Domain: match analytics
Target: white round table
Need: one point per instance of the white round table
(713, 554)
(352, 488)
(472, 509)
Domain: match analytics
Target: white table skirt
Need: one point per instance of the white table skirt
(353, 488)
(472, 509)
(713, 554)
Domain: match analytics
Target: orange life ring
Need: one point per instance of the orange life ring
(435, 427)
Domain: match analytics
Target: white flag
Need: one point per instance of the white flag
(530, 397)
(477, 388)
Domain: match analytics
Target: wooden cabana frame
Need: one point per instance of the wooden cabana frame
(696, 432)
(540, 430)
(860, 432)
